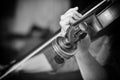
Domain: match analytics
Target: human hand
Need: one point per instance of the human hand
(70, 17)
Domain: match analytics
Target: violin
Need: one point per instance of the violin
(60, 48)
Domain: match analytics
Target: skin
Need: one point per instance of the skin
(86, 60)
(89, 63)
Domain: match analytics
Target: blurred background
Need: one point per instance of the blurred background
(25, 24)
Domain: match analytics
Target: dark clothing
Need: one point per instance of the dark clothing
(45, 76)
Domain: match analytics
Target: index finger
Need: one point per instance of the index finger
(72, 9)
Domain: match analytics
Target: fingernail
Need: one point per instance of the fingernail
(76, 8)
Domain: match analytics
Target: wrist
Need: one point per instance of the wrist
(82, 54)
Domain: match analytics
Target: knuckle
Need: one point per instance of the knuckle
(62, 17)
(61, 23)
(71, 9)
